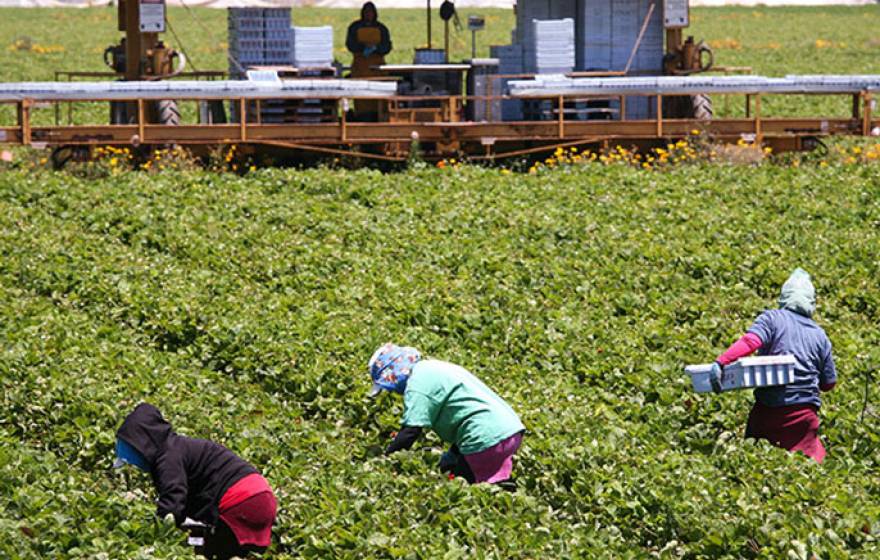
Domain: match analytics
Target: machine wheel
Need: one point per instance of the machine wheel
(60, 156)
(167, 112)
(701, 107)
(119, 113)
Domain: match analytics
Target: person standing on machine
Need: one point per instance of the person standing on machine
(369, 42)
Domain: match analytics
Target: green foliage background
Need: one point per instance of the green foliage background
(246, 308)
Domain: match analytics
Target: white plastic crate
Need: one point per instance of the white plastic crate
(312, 46)
(550, 46)
(745, 373)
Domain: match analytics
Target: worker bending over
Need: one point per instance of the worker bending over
(201, 480)
(483, 430)
(787, 415)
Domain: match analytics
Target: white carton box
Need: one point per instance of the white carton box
(745, 373)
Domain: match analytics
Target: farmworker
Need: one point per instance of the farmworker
(483, 430)
(201, 480)
(368, 41)
(787, 415)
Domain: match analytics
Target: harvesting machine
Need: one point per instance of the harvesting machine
(586, 73)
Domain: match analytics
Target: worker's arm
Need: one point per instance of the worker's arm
(384, 46)
(404, 439)
(746, 345)
(828, 375)
(351, 43)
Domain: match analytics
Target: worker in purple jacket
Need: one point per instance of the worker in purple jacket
(787, 415)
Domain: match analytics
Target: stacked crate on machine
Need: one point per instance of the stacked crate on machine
(550, 47)
(312, 46)
(302, 111)
(245, 38)
(278, 44)
(510, 63)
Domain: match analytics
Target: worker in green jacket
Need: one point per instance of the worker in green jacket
(483, 430)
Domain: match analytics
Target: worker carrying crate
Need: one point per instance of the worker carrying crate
(794, 366)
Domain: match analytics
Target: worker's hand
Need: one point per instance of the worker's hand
(369, 50)
(715, 377)
(447, 461)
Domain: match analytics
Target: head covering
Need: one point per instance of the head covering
(798, 294)
(145, 431)
(391, 366)
(128, 455)
(369, 6)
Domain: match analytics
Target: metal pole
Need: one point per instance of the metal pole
(429, 24)
(638, 43)
(242, 119)
(759, 137)
(446, 41)
(340, 106)
(473, 43)
(561, 117)
(141, 119)
(659, 116)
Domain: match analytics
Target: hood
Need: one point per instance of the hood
(369, 6)
(798, 293)
(146, 431)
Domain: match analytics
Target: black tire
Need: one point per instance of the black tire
(701, 107)
(60, 156)
(120, 114)
(167, 112)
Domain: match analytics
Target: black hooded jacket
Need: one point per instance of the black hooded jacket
(355, 46)
(190, 475)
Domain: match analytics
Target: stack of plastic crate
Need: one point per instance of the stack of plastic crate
(278, 43)
(312, 46)
(510, 63)
(246, 42)
(550, 48)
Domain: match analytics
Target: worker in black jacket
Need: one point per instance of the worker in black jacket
(201, 480)
(368, 41)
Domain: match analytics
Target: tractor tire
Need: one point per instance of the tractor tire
(701, 107)
(60, 156)
(167, 112)
(120, 114)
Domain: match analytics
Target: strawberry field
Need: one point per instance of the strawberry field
(246, 307)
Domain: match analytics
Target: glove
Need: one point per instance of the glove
(448, 461)
(369, 50)
(715, 377)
